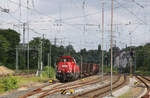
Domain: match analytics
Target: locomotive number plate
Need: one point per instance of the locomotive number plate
(64, 66)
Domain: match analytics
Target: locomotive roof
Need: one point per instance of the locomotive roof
(68, 57)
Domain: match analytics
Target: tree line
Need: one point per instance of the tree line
(10, 41)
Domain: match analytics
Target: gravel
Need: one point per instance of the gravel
(17, 93)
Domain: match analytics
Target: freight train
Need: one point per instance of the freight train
(68, 70)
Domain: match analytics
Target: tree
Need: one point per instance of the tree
(4, 45)
(35, 45)
(13, 39)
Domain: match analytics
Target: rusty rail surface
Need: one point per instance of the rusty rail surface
(140, 77)
(57, 88)
(77, 85)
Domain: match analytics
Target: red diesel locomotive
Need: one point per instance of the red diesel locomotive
(67, 69)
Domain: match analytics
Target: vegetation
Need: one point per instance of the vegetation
(13, 82)
(9, 40)
(49, 72)
(8, 83)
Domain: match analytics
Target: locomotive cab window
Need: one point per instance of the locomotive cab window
(65, 60)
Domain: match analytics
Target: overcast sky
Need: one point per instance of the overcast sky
(76, 21)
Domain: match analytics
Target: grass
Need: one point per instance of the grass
(23, 81)
(26, 71)
(48, 73)
(127, 95)
(107, 69)
(143, 72)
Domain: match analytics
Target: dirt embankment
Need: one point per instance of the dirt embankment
(5, 71)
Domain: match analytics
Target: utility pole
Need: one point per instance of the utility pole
(23, 47)
(102, 42)
(55, 41)
(40, 64)
(42, 53)
(28, 52)
(112, 7)
(24, 34)
(28, 63)
(49, 59)
(20, 8)
(50, 54)
(81, 64)
(69, 48)
(16, 59)
(48, 65)
(130, 55)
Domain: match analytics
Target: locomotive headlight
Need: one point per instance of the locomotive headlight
(68, 71)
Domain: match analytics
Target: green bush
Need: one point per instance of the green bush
(1, 64)
(26, 71)
(108, 69)
(49, 71)
(9, 83)
(143, 72)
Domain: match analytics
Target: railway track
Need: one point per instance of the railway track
(58, 87)
(102, 91)
(145, 81)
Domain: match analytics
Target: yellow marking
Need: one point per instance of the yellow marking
(50, 81)
(137, 83)
(82, 79)
(72, 91)
(63, 91)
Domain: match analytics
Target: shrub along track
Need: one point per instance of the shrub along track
(104, 90)
(145, 81)
(58, 87)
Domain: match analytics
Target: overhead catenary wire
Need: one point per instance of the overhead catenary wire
(83, 17)
(131, 12)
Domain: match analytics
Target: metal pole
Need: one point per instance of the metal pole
(16, 59)
(41, 54)
(130, 55)
(81, 65)
(28, 51)
(23, 48)
(28, 37)
(112, 5)
(48, 65)
(24, 34)
(50, 53)
(135, 62)
(102, 42)
(49, 60)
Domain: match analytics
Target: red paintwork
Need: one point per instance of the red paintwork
(70, 65)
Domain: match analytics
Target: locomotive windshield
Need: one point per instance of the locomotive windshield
(65, 60)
